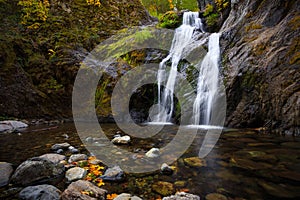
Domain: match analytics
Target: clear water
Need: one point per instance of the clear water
(243, 164)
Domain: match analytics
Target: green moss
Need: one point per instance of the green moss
(169, 20)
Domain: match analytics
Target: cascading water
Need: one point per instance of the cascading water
(182, 38)
(208, 82)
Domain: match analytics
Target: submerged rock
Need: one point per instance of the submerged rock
(75, 189)
(182, 196)
(75, 173)
(42, 192)
(194, 162)
(37, 170)
(6, 170)
(215, 196)
(163, 188)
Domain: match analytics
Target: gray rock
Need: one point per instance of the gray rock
(56, 147)
(77, 157)
(121, 140)
(53, 157)
(59, 151)
(74, 191)
(6, 170)
(75, 173)
(153, 153)
(113, 174)
(126, 196)
(40, 192)
(37, 171)
(11, 125)
(182, 196)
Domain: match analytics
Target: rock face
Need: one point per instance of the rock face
(74, 191)
(37, 170)
(40, 192)
(260, 59)
(5, 172)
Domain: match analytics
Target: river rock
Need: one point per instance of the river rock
(153, 153)
(113, 174)
(56, 147)
(74, 191)
(42, 192)
(37, 170)
(11, 126)
(121, 140)
(6, 170)
(166, 169)
(75, 173)
(126, 196)
(215, 196)
(77, 157)
(163, 188)
(53, 157)
(194, 162)
(182, 196)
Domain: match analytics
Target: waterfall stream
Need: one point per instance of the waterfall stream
(208, 73)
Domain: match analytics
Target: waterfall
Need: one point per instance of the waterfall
(208, 80)
(182, 38)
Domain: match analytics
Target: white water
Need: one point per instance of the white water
(182, 38)
(208, 80)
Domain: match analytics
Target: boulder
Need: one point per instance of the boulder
(37, 170)
(166, 169)
(113, 174)
(11, 126)
(6, 170)
(75, 173)
(53, 157)
(40, 192)
(77, 157)
(76, 189)
(163, 188)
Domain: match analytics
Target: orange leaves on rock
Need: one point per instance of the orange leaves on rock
(111, 196)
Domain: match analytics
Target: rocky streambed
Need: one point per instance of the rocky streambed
(51, 161)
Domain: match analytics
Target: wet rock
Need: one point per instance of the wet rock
(42, 192)
(73, 149)
(126, 196)
(163, 188)
(77, 157)
(249, 164)
(166, 169)
(75, 173)
(11, 126)
(113, 174)
(182, 196)
(74, 191)
(53, 157)
(194, 162)
(56, 147)
(6, 170)
(37, 170)
(153, 153)
(121, 140)
(215, 196)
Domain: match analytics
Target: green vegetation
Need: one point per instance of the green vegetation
(169, 20)
(213, 13)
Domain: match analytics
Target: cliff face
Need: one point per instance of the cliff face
(261, 64)
(40, 54)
